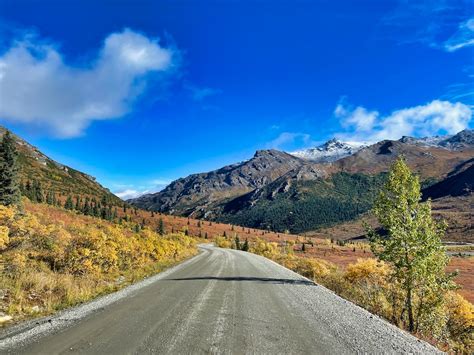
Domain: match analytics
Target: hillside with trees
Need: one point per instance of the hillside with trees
(42, 178)
(304, 205)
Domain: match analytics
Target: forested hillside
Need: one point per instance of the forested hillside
(304, 205)
(42, 178)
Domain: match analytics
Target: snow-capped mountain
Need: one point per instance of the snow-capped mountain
(452, 142)
(335, 149)
(330, 151)
(434, 141)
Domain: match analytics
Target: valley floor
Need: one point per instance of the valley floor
(351, 253)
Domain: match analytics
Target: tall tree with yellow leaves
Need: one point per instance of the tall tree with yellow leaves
(412, 246)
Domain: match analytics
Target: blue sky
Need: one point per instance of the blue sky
(138, 93)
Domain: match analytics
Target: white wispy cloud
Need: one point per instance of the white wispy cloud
(464, 37)
(435, 117)
(439, 24)
(38, 87)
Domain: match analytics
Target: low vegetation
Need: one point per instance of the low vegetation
(52, 258)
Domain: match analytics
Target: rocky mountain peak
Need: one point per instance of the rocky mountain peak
(269, 153)
(330, 151)
(460, 140)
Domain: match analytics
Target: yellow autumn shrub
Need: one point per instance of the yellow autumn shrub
(368, 285)
(223, 242)
(315, 269)
(368, 271)
(4, 238)
(460, 323)
(267, 249)
(54, 258)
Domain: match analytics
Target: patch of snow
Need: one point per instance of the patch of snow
(330, 151)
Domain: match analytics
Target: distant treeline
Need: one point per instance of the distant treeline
(89, 206)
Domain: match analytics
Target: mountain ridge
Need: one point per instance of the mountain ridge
(246, 189)
(56, 177)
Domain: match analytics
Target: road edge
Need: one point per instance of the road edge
(32, 330)
(376, 317)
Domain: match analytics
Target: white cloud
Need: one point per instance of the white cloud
(431, 23)
(464, 37)
(38, 87)
(436, 117)
(161, 182)
(362, 119)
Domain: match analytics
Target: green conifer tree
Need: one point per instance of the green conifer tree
(237, 242)
(69, 205)
(25, 189)
(9, 183)
(38, 195)
(77, 206)
(161, 227)
(49, 198)
(245, 246)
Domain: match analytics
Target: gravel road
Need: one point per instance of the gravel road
(221, 301)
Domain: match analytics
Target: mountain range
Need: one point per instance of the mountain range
(298, 192)
(305, 190)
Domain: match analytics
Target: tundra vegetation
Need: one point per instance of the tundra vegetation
(407, 283)
(52, 258)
